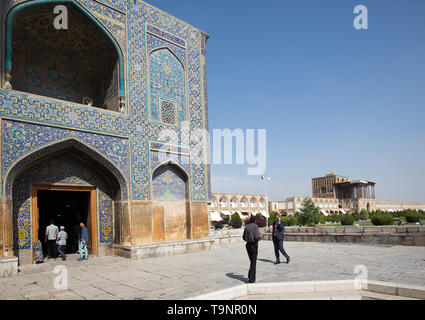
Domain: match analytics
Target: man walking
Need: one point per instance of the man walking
(84, 238)
(277, 237)
(62, 236)
(252, 235)
(50, 239)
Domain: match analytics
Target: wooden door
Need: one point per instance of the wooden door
(91, 216)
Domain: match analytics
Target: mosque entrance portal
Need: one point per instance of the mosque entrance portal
(67, 206)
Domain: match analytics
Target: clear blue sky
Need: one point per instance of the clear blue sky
(333, 99)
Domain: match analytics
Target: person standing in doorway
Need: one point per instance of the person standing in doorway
(62, 236)
(51, 238)
(252, 235)
(84, 238)
(277, 237)
(76, 235)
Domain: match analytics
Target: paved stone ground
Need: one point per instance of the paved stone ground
(192, 274)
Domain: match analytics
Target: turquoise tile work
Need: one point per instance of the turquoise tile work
(164, 90)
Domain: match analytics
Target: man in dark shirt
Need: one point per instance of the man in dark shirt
(277, 237)
(252, 235)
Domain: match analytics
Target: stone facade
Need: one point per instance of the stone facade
(129, 137)
(323, 187)
(332, 205)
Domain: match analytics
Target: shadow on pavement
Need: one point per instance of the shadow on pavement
(266, 260)
(237, 277)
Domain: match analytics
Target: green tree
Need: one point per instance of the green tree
(309, 212)
(236, 221)
(272, 217)
(347, 219)
(290, 220)
(364, 215)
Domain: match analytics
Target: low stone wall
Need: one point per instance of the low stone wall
(8, 267)
(231, 235)
(408, 235)
(162, 249)
(217, 237)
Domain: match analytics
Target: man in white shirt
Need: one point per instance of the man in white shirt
(51, 238)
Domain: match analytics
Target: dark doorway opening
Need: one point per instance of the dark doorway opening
(65, 208)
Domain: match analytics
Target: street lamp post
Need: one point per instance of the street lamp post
(266, 179)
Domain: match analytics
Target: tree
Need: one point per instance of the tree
(236, 221)
(260, 221)
(309, 213)
(364, 215)
(272, 217)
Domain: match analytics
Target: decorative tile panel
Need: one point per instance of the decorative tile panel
(20, 139)
(169, 184)
(61, 169)
(142, 28)
(166, 84)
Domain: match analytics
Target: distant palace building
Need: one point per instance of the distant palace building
(337, 194)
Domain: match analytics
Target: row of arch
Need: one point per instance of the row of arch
(329, 203)
(326, 203)
(227, 201)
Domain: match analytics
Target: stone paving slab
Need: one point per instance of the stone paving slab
(191, 274)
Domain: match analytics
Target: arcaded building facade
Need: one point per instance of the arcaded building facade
(223, 205)
(96, 125)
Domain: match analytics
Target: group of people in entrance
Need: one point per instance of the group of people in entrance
(56, 241)
(252, 235)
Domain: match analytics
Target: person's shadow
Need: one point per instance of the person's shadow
(237, 277)
(266, 260)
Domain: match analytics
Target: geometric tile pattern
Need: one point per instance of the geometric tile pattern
(114, 21)
(20, 139)
(153, 42)
(169, 184)
(166, 83)
(61, 169)
(135, 124)
(121, 139)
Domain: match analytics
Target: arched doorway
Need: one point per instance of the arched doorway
(82, 64)
(67, 186)
(171, 210)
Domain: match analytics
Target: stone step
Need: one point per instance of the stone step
(367, 295)
(344, 295)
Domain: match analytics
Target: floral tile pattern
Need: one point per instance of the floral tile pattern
(33, 125)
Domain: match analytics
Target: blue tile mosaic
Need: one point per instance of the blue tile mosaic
(59, 169)
(167, 85)
(169, 184)
(34, 125)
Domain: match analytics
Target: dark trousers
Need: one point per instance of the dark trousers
(252, 249)
(278, 246)
(51, 248)
(61, 250)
